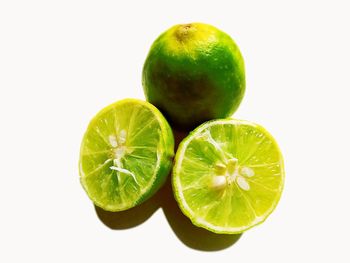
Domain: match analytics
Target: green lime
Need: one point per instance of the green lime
(126, 154)
(194, 73)
(228, 175)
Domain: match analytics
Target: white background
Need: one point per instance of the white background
(62, 61)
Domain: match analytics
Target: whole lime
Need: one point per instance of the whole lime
(194, 73)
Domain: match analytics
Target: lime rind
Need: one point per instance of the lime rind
(189, 65)
(179, 193)
(164, 152)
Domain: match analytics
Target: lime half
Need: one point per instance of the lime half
(126, 154)
(228, 175)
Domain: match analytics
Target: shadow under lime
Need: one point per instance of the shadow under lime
(192, 236)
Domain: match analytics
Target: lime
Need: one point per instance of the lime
(194, 73)
(126, 154)
(228, 175)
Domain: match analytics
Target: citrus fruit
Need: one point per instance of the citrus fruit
(126, 154)
(194, 73)
(228, 175)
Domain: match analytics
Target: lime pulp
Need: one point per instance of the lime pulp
(126, 154)
(228, 175)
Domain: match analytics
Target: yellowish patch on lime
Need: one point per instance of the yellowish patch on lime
(185, 38)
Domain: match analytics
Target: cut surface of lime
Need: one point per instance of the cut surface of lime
(126, 154)
(228, 175)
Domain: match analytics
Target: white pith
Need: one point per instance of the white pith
(231, 173)
(117, 142)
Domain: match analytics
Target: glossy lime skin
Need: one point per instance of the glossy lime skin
(194, 73)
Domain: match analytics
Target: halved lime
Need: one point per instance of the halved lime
(187, 66)
(228, 175)
(126, 154)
